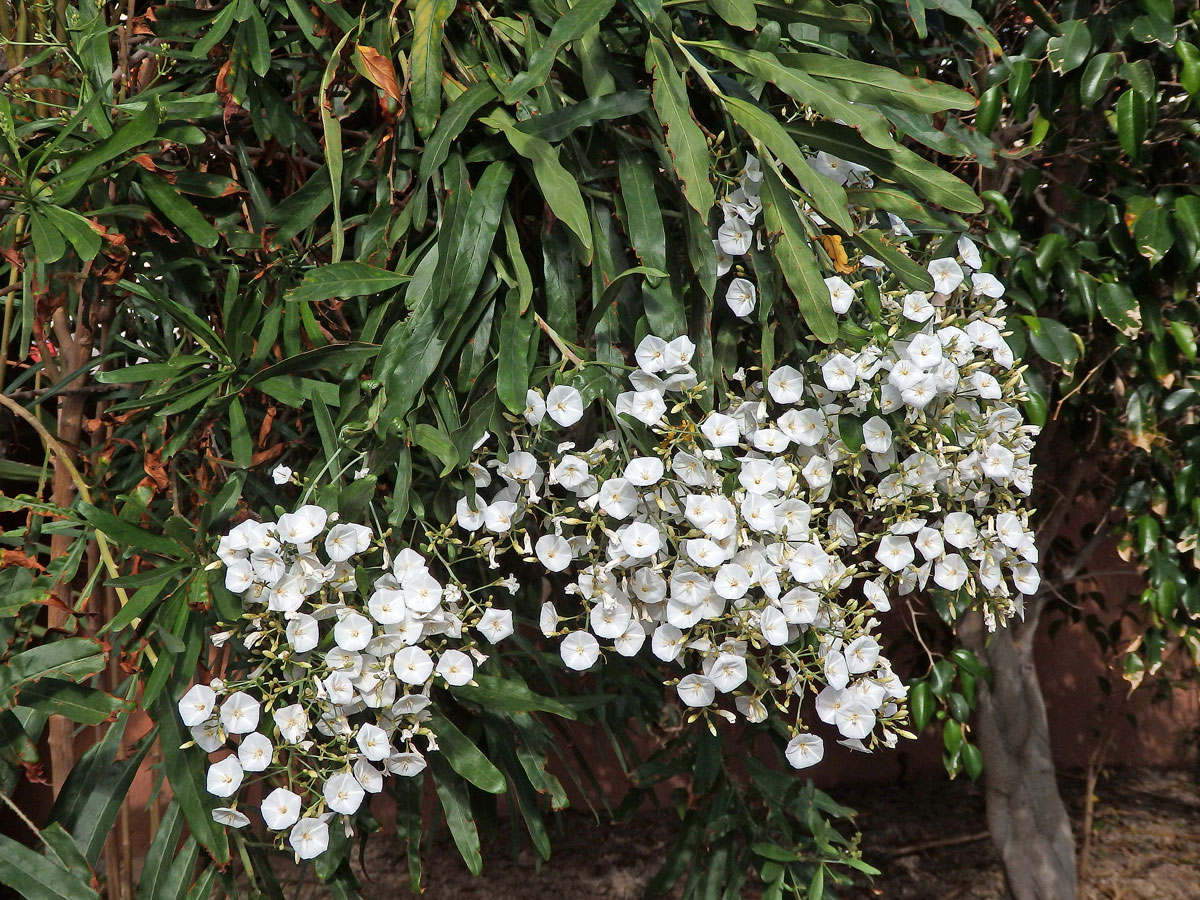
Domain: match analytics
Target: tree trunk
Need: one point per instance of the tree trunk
(1026, 816)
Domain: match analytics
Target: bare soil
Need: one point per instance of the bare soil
(928, 838)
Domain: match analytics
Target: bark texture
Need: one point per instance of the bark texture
(1026, 816)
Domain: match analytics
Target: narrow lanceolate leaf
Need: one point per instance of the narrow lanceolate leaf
(557, 125)
(558, 186)
(796, 259)
(179, 211)
(465, 758)
(822, 96)
(1132, 121)
(648, 238)
(456, 804)
(827, 195)
(34, 877)
(73, 659)
(425, 61)
(685, 141)
(344, 279)
(865, 83)
(137, 131)
(85, 705)
(570, 26)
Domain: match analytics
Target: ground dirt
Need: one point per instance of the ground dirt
(928, 838)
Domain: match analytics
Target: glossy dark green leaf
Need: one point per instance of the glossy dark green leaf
(685, 141)
(456, 805)
(34, 877)
(579, 19)
(1069, 49)
(425, 61)
(344, 279)
(465, 758)
(1097, 75)
(1132, 122)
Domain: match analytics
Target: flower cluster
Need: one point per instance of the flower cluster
(340, 669)
(753, 545)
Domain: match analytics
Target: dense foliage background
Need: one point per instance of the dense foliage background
(340, 235)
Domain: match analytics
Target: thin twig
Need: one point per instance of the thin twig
(34, 393)
(940, 842)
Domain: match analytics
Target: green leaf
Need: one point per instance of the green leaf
(74, 659)
(921, 703)
(556, 126)
(425, 61)
(558, 186)
(796, 259)
(1187, 218)
(48, 242)
(457, 116)
(914, 276)
(514, 367)
(1053, 341)
(1153, 234)
(76, 702)
(648, 238)
(579, 19)
(850, 430)
(456, 804)
(94, 791)
(1069, 50)
(344, 279)
(900, 164)
(1096, 78)
(685, 141)
(129, 536)
(1120, 308)
(34, 877)
(465, 758)
(76, 229)
(180, 211)
(827, 195)
(972, 761)
(437, 443)
(865, 83)
(822, 13)
(1132, 122)
(495, 693)
(137, 131)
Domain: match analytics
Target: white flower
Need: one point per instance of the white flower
(647, 406)
(895, 552)
(570, 471)
(406, 764)
(728, 672)
(343, 794)
(630, 641)
(353, 631)
(618, 498)
(735, 236)
(239, 713)
(368, 776)
(239, 576)
(553, 552)
(280, 809)
(224, 815)
(774, 626)
(535, 407)
(877, 435)
(579, 650)
(785, 385)
(254, 753)
(281, 474)
(839, 170)
(373, 742)
(641, 540)
(861, 654)
(804, 750)
(651, 355)
(854, 720)
(292, 723)
(468, 518)
(969, 252)
(207, 735)
(666, 642)
(412, 665)
(947, 275)
(495, 625)
(309, 838)
(224, 777)
(197, 705)
(841, 295)
(741, 297)
(303, 633)
(1026, 578)
(721, 430)
(498, 516)
(644, 471)
(951, 572)
(724, 260)
(301, 526)
(696, 690)
(986, 284)
(732, 581)
(564, 405)
(456, 667)
(548, 619)
(917, 307)
(679, 352)
(839, 372)
(343, 541)
(958, 528)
